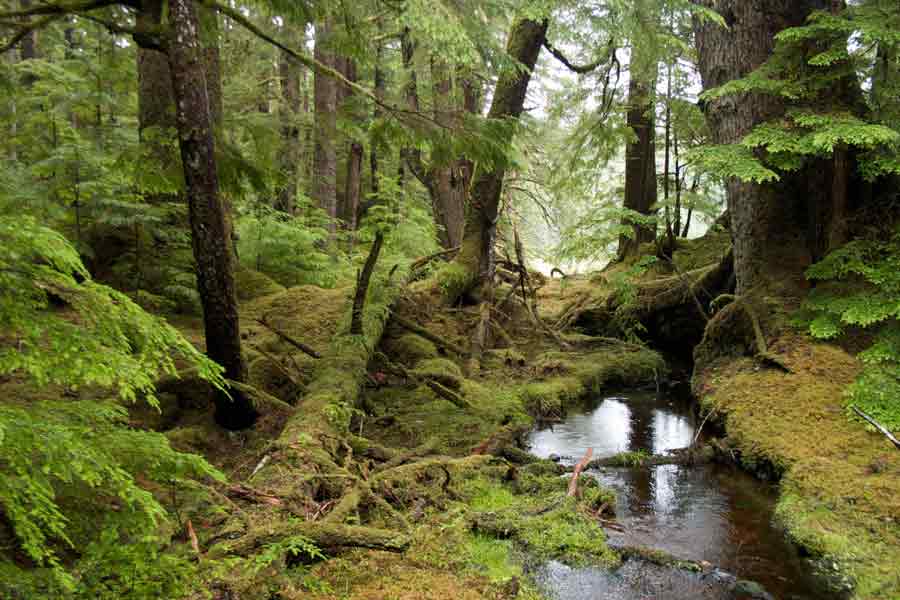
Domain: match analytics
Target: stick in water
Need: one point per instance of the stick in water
(573, 483)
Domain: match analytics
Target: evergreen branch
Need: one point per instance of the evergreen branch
(27, 28)
(314, 64)
(66, 8)
(580, 69)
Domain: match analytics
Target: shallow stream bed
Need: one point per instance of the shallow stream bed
(711, 513)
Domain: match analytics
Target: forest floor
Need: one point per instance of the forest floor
(439, 448)
(471, 524)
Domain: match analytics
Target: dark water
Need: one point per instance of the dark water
(705, 513)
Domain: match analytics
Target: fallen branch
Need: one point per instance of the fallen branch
(247, 493)
(296, 344)
(409, 325)
(884, 430)
(278, 365)
(421, 262)
(573, 483)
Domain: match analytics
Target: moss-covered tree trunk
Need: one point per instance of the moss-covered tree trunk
(209, 224)
(474, 265)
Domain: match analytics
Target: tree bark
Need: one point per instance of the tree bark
(350, 200)
(209, 224)
(449, 185)
(640, 163)
(289, 73)
(476, 255)
(156, 109)
(770, 222)
(324, 184)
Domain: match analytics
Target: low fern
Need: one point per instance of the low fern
(860, 289)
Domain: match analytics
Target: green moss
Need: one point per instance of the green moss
(840, 499)
(453, 280)
(444, 371)
(409, 349)
(702, 251)
(252, 284)
(629, 459)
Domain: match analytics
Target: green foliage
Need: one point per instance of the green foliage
(810, 69)
(102, 338)
(296, 547)
(291, 250)
(68, 478)
(860, 289)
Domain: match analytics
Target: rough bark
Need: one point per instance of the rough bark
(448, 181)
(209, 224)
(640, 163)
(348, 207)
(324, 181)
(774, 225)
(289, 73)
(156, 109)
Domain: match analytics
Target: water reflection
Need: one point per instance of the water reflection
(710, 513)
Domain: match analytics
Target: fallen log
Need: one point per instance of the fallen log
(325, 535)
(682, 456)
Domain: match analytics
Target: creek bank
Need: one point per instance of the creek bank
(687, 526)
(839, 483)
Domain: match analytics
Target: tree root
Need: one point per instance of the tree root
(762, 348)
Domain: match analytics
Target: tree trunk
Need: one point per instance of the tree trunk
(324, 184)
(350, 200)
(209, 223)
(476, 255)
(774, 224)
(640, 163)
(289, 72)
(448, 197)
(156, 109)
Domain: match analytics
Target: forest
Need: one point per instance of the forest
(470, 299)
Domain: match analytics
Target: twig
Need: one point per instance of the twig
(259, 467)
(878, 426)
(296, 344)
(573, 483)
(421, 262)
(195, 544)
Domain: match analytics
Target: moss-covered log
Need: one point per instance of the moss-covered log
(326, 536)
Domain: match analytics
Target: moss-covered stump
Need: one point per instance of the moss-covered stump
(840, 484)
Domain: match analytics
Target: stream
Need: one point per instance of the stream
(712, 513)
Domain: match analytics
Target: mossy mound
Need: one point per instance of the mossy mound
(252, 284)
(409, 349)
(444, 371)
(840, 483)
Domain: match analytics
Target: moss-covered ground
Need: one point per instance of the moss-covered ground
(840, 483)
(472, 515)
